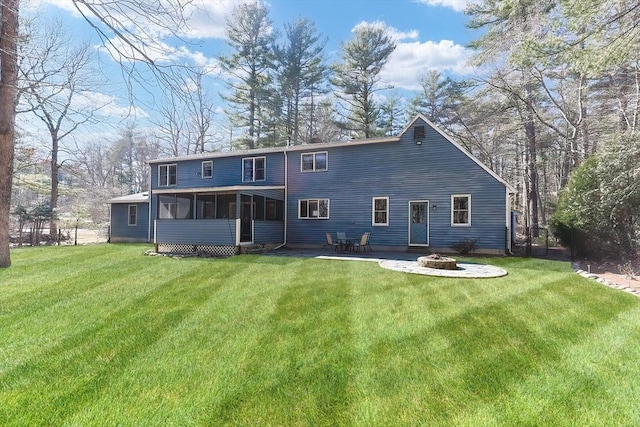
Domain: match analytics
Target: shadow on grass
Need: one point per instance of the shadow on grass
(73, 374)
(300, 371)
(477, 356)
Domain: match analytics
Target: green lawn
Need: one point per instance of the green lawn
(102, 335)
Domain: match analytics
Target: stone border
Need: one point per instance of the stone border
(609, 283)
(464, 270)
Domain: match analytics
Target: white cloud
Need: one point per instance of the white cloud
(395, 34)
(108, 106)
(411, 61)
(202, 18)
(412, 58)
(457, 5)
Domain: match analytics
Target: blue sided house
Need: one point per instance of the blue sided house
(418, 190)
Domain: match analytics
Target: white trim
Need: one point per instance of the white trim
(253, 177)
(468, 223)
(313, 163)
(135, 224)
(308, 213)
(373, 212)
(167, 165)
(202, 175)
(229, 189)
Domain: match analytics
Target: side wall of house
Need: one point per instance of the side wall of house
(402, 171)
(119, 229)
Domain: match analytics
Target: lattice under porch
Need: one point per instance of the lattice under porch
(186, 249)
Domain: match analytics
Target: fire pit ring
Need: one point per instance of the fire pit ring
(438, 262)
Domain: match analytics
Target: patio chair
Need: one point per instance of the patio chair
(330, 242)
(363, 243)
(341, 237)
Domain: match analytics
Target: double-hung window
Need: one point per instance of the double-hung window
(313, 209)
(253, 169)
(132, 215)
(167, 175)
(207, 169)
(314, 162)
(380, 211)
(461, 210)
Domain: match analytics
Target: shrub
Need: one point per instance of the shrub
(465, 246)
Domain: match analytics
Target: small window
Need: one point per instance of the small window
(380, 215)
(461, 210)
(133, 215)
(207, 169)
(313, 209)
(418, 132)
(167, 175)
(253, 169)
(314, 162)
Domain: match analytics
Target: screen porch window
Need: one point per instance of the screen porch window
(314, 162)
(167, 175)
(313, 209)
(380, 207)
(207, 169)
(132, 215)
(461, 210)
(253, 169)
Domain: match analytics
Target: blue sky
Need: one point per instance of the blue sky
(430, 34)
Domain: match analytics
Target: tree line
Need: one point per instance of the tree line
(557, 84)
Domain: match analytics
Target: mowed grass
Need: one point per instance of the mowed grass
(102, 335)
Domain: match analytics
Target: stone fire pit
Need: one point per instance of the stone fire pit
(437, 261)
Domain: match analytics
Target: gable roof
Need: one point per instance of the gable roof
(459, 147)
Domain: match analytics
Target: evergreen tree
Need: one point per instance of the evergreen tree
(249, 69)
(357, 77)
(301, 72)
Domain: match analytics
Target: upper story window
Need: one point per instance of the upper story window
(418, 132)
(167, 175)
(314, 162)
(132, 215)
(207, 169)
(253, 169)
(461, 210)
(380, 214)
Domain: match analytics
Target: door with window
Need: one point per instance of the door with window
(419, 223)
(246, 218)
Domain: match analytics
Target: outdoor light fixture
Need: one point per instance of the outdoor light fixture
(418, 142)
(434, 207)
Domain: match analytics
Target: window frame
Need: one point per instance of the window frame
(167, 175)
(253, 169)
(207, 162)
(308, 210)
(374, 210)
(135, 215)
(419, 132)
(314, 167)
(454, 210)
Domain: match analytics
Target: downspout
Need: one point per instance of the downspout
(149, 198)
(509, 222)
(286, 186)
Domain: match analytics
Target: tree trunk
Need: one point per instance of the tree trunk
(532, 178)
(8, 92)
(53, 197)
